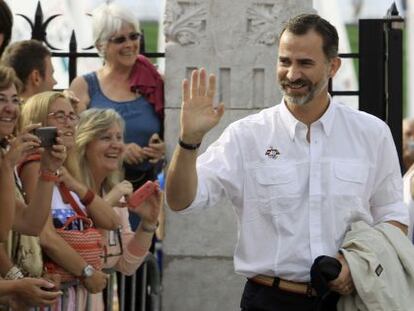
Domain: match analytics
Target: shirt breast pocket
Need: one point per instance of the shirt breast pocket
(277, 188)
(349, 178)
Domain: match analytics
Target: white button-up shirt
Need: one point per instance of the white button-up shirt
(295, 199)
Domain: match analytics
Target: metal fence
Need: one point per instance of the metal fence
(39, 32)
(150, 284)
(380, 74)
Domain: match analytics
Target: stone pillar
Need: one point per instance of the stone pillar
(236, 40)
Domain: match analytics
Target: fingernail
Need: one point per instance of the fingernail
(50, 285)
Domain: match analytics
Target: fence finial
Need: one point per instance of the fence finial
(392, 11)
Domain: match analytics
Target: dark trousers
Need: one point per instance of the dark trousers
(258, 297)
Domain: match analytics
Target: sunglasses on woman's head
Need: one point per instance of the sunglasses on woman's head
(133, 36)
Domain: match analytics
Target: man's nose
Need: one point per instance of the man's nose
(293, 73)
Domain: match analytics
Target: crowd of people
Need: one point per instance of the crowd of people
(70, 161)
(309, 173)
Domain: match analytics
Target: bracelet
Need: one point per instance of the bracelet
(149, 228)
(48, 176)
(188, 146)
(14, 274)
(88, 197)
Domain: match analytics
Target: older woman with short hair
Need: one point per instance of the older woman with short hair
(129, 84)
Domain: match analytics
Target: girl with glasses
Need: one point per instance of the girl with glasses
(54, 109)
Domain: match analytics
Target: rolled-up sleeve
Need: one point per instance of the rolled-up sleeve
(387, 196)
(219, 173)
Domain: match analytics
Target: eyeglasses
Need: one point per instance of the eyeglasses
(61, 117)
(14, 101)
(133, 36)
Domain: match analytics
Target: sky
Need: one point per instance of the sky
(369, 8)
(151, 9)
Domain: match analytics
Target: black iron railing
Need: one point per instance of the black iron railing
(39, 32)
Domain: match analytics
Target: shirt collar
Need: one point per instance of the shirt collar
(288, 119)
(291, 122)
(328, 117)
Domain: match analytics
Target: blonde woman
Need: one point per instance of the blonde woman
(53, 109)
(100, 146)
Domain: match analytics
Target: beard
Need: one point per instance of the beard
(312, 90)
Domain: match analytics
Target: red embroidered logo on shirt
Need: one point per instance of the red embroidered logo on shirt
(272, 153)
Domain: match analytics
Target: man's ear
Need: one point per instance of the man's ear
(335, 64)
(35, 78)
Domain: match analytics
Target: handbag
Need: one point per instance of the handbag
(24, 250)
(86, 241)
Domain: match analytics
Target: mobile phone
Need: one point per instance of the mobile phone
(141, 194)
(47, 136)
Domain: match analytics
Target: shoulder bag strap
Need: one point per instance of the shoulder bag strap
(67, 197)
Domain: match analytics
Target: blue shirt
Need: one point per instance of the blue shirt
(141, 120)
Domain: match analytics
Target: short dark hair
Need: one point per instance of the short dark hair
(26, 56)
(8, 78)
(301, 24)
(6, 23)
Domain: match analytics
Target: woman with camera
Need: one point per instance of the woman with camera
(100, 147)
(52, 109)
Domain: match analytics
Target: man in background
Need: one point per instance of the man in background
(32, 62)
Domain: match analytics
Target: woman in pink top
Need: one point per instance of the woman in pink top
(100, 148)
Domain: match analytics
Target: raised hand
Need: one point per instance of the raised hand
(198, 113)
(155, 150)
(124, 188)
(22, 145)
(69, 181)
(150, 209)
(134, 154)
(53, 158)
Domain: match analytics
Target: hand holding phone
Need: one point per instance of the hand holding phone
(47, 136)
(141, 194)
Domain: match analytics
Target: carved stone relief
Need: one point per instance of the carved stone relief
(263, 21)
(184, 22)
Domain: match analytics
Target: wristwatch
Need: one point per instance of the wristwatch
(88, 271)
